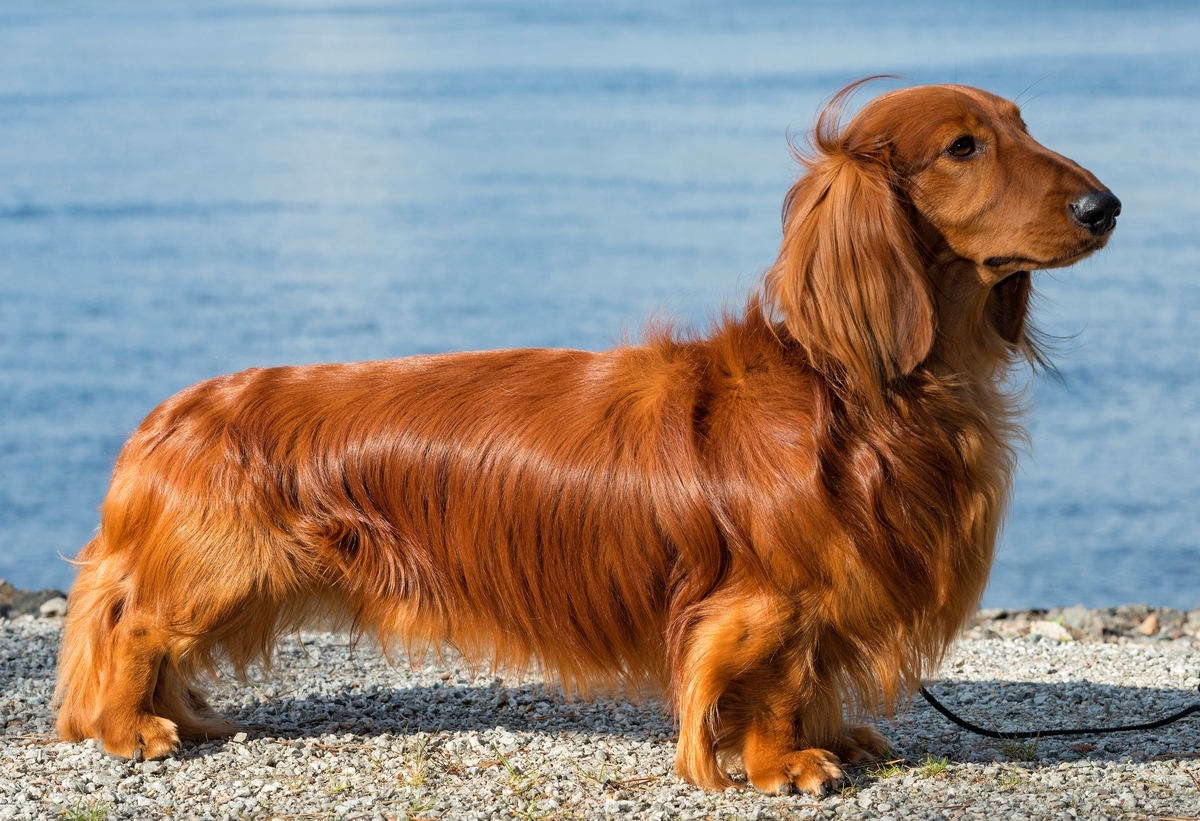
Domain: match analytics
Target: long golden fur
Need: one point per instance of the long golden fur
(786, 518)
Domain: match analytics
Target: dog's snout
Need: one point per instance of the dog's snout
(1097, 211)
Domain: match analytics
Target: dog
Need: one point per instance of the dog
(780, 524)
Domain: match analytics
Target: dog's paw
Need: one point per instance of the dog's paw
(799, 771)
(148, 736)
(861, 744)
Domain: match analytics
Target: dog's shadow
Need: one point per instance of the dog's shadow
(452, 708)
(921, 737)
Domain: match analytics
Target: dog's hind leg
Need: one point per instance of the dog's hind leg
(139, 640)
(125, 722)
(120, 680)
(178, 698)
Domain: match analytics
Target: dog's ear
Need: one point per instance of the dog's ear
(849, 283)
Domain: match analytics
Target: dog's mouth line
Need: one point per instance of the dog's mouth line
(1007, 277)
(1028, 263)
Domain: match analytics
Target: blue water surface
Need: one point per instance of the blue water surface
(188, 190)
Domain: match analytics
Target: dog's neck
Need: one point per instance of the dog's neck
(980, 320)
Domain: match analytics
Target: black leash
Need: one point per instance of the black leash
(1128, 728)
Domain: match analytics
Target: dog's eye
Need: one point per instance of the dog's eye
(964, 146)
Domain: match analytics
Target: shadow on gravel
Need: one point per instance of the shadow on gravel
(453, 708)
(918, 733)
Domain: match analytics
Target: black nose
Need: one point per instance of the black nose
(1097, 211)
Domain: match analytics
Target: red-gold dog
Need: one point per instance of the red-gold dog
(794, 513)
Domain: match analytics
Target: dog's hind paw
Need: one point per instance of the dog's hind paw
(148, 736)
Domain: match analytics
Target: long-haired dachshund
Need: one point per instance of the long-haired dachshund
(787, 518)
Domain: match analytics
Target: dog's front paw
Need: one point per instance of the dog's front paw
(810, 770)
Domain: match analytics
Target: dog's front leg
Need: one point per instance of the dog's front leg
(777, 761)
(789, 713)
(753, 686)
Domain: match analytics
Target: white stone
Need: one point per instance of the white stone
(1050, 629)
(54, 608)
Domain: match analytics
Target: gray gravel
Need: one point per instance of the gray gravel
(337, 733)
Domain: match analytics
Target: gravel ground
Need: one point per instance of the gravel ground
(338, 733)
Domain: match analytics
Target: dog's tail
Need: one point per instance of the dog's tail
(94, 606)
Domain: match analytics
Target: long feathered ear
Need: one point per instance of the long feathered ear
(849, 283)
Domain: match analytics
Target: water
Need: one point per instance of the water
(191, 190)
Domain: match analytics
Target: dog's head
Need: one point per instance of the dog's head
(911, 237)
